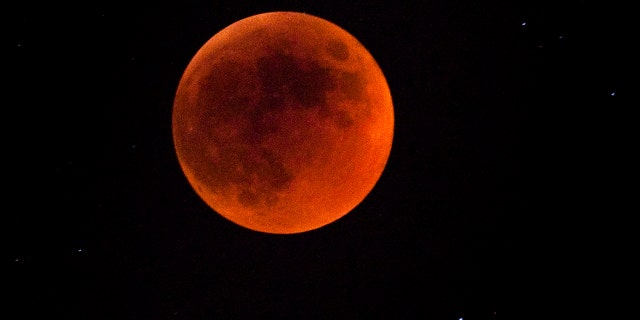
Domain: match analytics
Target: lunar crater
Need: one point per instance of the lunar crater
(266, 176)
(338, 50)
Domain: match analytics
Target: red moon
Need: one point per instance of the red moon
(283, 122)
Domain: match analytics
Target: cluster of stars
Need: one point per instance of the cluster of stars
(24, 258)
(493, 314)
(540, 45)
(560, 37)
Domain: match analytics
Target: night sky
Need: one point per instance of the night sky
(499, 197)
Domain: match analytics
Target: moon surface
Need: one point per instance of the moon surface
(282, 122)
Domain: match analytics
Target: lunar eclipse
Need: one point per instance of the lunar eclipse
(283, 122)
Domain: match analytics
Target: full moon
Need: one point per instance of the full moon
(282, 122)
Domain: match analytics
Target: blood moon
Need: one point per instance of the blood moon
(282, 122)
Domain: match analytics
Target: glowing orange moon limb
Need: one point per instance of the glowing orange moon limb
(283, 122)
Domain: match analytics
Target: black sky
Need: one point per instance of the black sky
(509, 124)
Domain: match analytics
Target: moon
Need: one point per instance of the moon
(282, 122)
